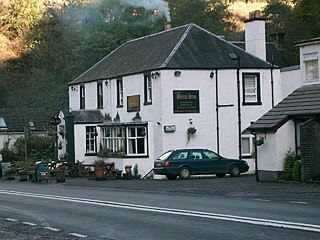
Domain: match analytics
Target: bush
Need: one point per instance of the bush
(292, 167)
(296, 171)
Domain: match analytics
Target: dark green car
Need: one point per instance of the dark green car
(187, 162)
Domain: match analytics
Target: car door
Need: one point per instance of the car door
(196, 162)
(214, 162)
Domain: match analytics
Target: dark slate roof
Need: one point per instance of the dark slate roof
(279, 57)
(304, 101)
(16, 118)
(87, 116)
(185, 47)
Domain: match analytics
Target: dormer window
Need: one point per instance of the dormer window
(31, 125)
(311, 66)
(3, 125)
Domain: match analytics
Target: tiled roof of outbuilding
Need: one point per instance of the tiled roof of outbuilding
(185, 47)
(304, 101)
(16, 118)
(87, 116)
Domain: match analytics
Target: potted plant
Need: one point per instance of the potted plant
(107, 117)
(99, 169)
(117, 118)
(259, 141)
(128, 173)
(104, 153)
(23, 169)
(137, 117)
(136, 174)
(190, 132)
(10, 174)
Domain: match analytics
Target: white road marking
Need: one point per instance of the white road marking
(295, 202)
(29, 223)
(261, 200)
(12, 219)
(52, 229)
(78, 235)
(189, 213)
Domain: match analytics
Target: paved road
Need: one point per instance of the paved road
(192, 205)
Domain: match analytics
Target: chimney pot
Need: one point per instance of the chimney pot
(167, 25)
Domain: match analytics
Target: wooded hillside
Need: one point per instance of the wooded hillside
(45, 44)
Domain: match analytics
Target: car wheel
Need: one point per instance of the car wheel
(171, 176)
(234, 171)
(184, 173)
(220, 175)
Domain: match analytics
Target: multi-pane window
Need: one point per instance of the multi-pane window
(82, 97)
(119, 92)
(132, 140)
(251, 88)
(147, 89)
(99, 95)
(247, 146)
(136, 140)
(91, 140)
(113, 138)
(311, 66)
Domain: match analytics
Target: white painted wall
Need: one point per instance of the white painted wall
(255, 38)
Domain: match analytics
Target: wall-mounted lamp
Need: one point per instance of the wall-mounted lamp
(155, 75)
(106, 83)
(74, 88)
(177, 73)
(190, 121)
(211, 74)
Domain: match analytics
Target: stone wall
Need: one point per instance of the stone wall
(310, 151)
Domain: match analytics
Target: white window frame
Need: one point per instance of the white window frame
(91, 140)
(99, 95)
(251, 145)
(119, 92)
(147, 89)
(311, 61)
(135, 139)
(113, 138)
(249, 92)
(82, 97)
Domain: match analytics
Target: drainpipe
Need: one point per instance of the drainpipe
(217, 112)
(239, 108)
(272, 87)
(256, 158)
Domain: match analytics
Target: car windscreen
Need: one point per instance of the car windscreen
(165, 155)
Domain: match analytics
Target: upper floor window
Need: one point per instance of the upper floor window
(147, 89)
(119, 92)
(99, 95)
(82, 97)
(91, 140)
(3, 125)
(311, 66)
(251, 88)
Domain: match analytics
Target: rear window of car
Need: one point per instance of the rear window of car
(181, 155)
(165, 155)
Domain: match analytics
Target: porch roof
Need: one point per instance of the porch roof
(303, 102)
(87, 116)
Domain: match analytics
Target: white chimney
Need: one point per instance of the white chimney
(167, 25)
(255, 35)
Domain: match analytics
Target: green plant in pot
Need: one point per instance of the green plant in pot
(99, 169)
(23, 168)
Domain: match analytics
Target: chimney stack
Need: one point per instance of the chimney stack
(167, 25)
(255, 34)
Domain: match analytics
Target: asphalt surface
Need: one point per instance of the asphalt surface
(244, 186)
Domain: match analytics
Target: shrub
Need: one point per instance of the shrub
(296, 171)
(289, 162)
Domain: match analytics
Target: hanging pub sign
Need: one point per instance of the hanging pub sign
(186, 101)
(133, 103)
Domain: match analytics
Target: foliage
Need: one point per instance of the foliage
(212, 15)
(137, 117)
(104, 152)
(108, 117)
(38, 147)
(289, 166)
(9, 155)
(100, 163)
(117, 118)
(296, 171)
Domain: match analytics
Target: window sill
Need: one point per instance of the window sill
(251, 103)
(90, 154)
(147, 103)
(119, 106)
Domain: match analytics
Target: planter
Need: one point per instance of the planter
(60, 175)
(23, 176)
(99, 172)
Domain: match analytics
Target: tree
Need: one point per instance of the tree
(212, 15)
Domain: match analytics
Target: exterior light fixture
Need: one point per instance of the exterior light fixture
(177, 73)
(155, 75)
(74, 88)
(211, 74)
(106, 83)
